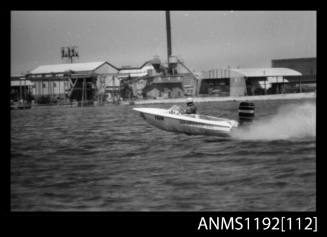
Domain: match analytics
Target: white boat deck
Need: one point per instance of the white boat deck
(210, 120)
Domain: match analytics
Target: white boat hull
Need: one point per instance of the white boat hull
(188, 124)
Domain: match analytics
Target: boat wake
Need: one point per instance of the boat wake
(292, 121)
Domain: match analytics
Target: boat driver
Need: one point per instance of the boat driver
(191, 108)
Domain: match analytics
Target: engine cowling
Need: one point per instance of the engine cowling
(246, 112)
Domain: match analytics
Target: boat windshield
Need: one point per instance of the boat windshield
(177, 110)
(204, 117)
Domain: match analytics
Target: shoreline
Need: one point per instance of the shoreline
(309, 95)
(224, 99)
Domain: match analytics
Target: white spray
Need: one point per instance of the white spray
(292, 121)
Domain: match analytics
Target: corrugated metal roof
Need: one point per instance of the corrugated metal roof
(135, 72)
(266, 72)
(61, 68)
(248, 72)
(17, 76)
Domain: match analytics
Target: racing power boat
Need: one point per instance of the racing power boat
(192, 124)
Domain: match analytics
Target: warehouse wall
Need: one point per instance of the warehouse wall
(49, 87)
(307, 66)
(237, 86)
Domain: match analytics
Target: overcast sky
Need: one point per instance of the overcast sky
(203, 39)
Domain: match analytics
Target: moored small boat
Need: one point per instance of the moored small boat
(20, 105)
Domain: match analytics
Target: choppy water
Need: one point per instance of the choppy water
(109, 159)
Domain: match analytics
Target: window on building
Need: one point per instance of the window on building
(43, 85)
(54, 84)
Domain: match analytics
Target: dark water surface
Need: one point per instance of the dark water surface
(109, 159)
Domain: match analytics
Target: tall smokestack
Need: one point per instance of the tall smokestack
(168, 35)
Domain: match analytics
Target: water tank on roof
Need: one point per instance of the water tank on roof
(172, 68)
(173, 60)
(156, 63)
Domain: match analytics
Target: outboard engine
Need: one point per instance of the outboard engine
(246, 112)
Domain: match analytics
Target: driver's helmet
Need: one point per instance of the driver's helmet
(189, 101)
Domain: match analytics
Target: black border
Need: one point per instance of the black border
(156, 222)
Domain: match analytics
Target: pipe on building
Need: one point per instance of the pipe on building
(169, 50)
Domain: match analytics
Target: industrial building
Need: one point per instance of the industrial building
(81, 82)
(246, 81)
(163, 87)
(20, 88)
(99, 81)
(134, 79)
(174, 86)
(102, 82)
(20, 92)
(173, 80)
(154, 81)
(306, 66)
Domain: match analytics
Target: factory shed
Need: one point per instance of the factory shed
(134, 80)
(307, 66)
(20, 89)
(83, 82)
(246, 81)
